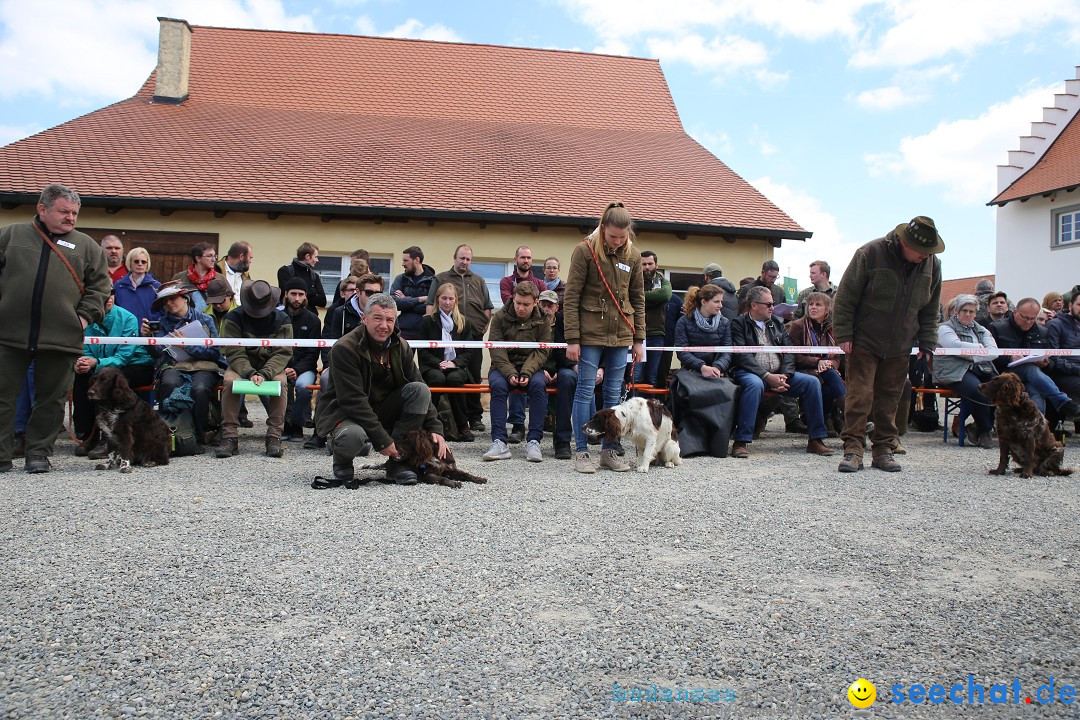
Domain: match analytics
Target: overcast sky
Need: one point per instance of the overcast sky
(851, 115)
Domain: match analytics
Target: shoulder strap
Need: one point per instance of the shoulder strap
(63, 258)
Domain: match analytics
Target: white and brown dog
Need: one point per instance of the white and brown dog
(648, 423)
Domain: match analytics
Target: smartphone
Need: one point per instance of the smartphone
(154, 325)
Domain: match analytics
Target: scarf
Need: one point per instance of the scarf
(707, 324)
(447, 326)
(200, 284)
(552, 284)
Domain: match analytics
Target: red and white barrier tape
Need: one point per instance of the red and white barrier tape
(490, 345)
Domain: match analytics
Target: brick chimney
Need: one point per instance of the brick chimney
(174, 61)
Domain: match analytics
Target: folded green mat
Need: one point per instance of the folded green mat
(246, 387)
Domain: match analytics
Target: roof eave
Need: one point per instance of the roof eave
(329, 212)
(1002, 201)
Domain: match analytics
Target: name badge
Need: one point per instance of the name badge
(65, 243)
(624, 267)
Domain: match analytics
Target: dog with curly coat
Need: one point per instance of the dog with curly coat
(134, 432)
(648, 423)
(1023, 432)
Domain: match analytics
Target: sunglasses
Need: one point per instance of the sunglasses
(772, 304)
(368, 292)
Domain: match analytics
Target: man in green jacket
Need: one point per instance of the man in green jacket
(53, 283)
(887, 302)
(374, 395)
(657, 294)
(257, 317)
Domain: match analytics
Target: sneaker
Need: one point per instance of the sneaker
(498, 451)
(618, 448)
(245, 423)
(816, 447)
(583, 463)
(533, 452)
(562, 451)
(886, 463)
(740, 449)
(477, 425)
(971, 435)
(611, 461)
(850, 463)
(517, 435)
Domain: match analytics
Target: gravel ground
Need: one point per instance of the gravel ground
(229, 588)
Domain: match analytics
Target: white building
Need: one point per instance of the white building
(1038, 216)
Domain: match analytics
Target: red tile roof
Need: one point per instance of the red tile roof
(1057, 169)
(952, 288)
(336, 123)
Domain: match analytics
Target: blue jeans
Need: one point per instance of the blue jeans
(517, 410)
(300, 399)
(613, 360)
(25, 402)
(500, 391)
(979, 406)
(646, 372)
(832, 389)
(565, 386)
(801, 386)
(1040, 387)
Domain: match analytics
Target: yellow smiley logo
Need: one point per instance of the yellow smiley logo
(862, 693)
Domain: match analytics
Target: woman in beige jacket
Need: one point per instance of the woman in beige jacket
(603, 314)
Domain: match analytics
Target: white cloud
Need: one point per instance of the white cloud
(769, 80)
(886, 98)
(718, 143)
(923, 30)
(827, 242)
(760, 139)
(961, 155)
(719, 55)
(111, 45)
(416, 30)
(11, 133)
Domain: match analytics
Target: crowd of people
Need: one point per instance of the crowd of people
(614, 304)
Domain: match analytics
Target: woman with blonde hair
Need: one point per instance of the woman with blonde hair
(815, 328)
(448, 367)
(136, 291)
(1052, 303)
(603, 316)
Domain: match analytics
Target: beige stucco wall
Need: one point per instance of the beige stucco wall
(275, 241)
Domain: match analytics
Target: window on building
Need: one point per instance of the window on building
(335, 268)
(1067, 226)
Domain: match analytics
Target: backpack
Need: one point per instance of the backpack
(182, 440)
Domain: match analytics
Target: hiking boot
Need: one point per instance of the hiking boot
(343, 471)
(850, 463)
(465, 435)
(81, 450)
(37, 464)
(1070, 411)
(796, 427)
(315, 442)
(610, 460)
(100, 451)
(517, 435)
(273, 447)
(245, 423)
(886, 463)
(899, 449)
(400, 473)
(533, 452)
(20, 445)
(497, 451)
(562, 451)
(292, 433)
(477, 425)
(740, 449)
(583, 463)
(817, 447)
(6, 466)
(228, 448)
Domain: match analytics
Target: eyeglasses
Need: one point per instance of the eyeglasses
(1026, 318)
(209, 257)
(772, 304)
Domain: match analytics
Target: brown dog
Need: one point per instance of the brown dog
(417, 450)
(1023, 432)
(134, 432)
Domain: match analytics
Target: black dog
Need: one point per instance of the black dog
(134, 432)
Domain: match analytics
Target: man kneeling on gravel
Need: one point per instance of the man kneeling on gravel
(374, 395)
